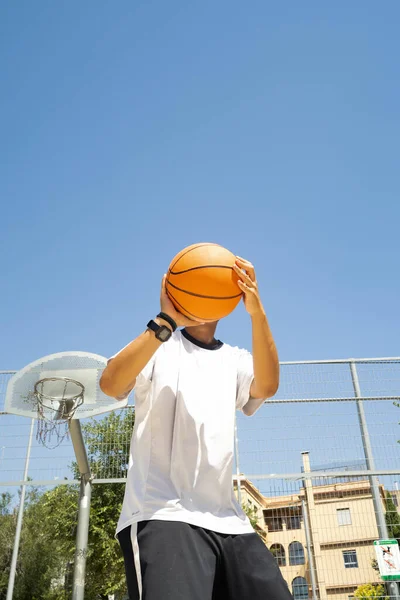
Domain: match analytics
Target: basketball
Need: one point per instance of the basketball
(201, 282)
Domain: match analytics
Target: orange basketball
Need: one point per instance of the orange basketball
(201, 282)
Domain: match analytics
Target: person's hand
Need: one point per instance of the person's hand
(248, 284)
(168, 308)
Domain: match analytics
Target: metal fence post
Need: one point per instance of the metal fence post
(310, 548)
(13, 567)
(369, 459)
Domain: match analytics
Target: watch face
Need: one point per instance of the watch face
(163, 333)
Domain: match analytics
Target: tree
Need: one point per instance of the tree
(107, 443)
(35, 551)
(7, 531)
(47, 548)
(38, 558)
(374, 565)
(392, 518)
(371, 591)
(251, 512)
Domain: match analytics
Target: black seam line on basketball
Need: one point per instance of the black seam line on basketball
(188, 311)
(202, 295)
(201, 267)
(194, 248)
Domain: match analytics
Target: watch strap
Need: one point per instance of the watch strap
(153, 326)
(168, 319)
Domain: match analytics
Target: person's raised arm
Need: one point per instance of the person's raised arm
(265, 357)
(119, 376)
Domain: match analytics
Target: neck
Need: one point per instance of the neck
(203, 333)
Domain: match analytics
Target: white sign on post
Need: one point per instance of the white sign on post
(388, 557)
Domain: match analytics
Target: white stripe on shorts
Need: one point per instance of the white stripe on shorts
(136, 557)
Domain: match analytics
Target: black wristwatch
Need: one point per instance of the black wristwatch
(162, 332)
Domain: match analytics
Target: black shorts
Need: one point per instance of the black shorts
(168, 560)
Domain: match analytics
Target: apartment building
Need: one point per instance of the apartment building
(329, 527)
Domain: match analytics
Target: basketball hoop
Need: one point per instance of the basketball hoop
(57, 399)
(58, 389)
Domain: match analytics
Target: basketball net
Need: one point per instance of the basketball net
(57, 399)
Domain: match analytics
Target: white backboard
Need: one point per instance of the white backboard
(83, 367)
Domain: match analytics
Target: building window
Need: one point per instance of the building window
(343, 516)
(350, 559)
(278, 551)
(296, 554)
(299, 588)
(293, 523)
(274, 523)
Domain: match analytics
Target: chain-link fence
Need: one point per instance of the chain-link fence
(317, 468)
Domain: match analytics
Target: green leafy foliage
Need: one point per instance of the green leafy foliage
(8, 521)
(371, 591)
(38, 553)
(251, 512)
(107, 443)
(47, 547)
(392, 518)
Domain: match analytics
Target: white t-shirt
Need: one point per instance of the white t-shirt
(181, 454)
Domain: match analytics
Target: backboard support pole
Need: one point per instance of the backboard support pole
(85, 494)
(78, 443)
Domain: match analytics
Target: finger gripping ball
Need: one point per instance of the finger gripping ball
(201, 282)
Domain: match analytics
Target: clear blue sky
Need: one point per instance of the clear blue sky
(132, 129)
